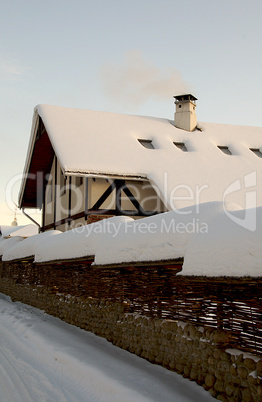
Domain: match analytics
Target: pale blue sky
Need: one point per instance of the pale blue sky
(97, 55)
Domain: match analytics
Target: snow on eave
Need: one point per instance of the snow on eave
(105, 175)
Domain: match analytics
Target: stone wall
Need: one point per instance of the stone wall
(196, 352)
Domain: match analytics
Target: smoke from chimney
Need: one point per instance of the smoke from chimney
(137, 80)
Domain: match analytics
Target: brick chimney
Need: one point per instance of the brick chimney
(185, 115)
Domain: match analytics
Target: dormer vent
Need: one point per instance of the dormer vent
(147, 144)
(256, 152)
(185, 115)
(181, 145)
(224, 149)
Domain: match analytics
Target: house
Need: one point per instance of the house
(84, 165)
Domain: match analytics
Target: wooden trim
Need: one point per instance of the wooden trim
(97, 212)
(55, 195)
(86, 197)
(22, 260)
(119, 185)
(64, 220)
(132, 198)
(69, 201)
(125, 212)
(44, 202)
(105, 195)
(175, 264)
(87, 260)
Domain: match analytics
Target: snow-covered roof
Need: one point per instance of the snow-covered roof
(101, 143)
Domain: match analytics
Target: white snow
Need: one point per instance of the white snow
(227, 248)
(76, 243)
(44, 359)
(6, 244)
(28, 247)
(245, 355)
(214, 199)
(213, 241)
(203, 174)
(23, 231)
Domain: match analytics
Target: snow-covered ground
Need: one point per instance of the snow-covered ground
(45, 359)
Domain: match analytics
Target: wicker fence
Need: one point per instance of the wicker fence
(234, 305)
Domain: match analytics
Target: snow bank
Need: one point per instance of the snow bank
(213, 241)
(6, 244)
(23, 231)
(227, 248)
(26, 231)
(76, 243)
(149, 239)
(28, 247)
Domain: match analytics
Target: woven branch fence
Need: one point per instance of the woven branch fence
(231, 304)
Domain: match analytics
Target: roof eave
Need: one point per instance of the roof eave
(106, 175)
(35, 123)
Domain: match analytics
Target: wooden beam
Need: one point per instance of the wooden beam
(132, 198)
(119, 185)
(105, 195)
(43, 205)
(114, 212)
(55, 185)
(86, 197)
(69, 201)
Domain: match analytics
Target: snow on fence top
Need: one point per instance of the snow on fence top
(6, 244)
(214, 241)
(23, 231)
(80, 242)
(28, 247)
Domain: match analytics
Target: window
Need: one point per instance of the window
(49, 192)
(79, 181)
(224, 149)
(256, 152)
(180, 145)
(147, 144)
(62, 183)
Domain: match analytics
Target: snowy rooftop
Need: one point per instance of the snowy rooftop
(208, 179)
(203, 172)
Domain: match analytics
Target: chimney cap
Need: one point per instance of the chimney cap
(185, 97)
